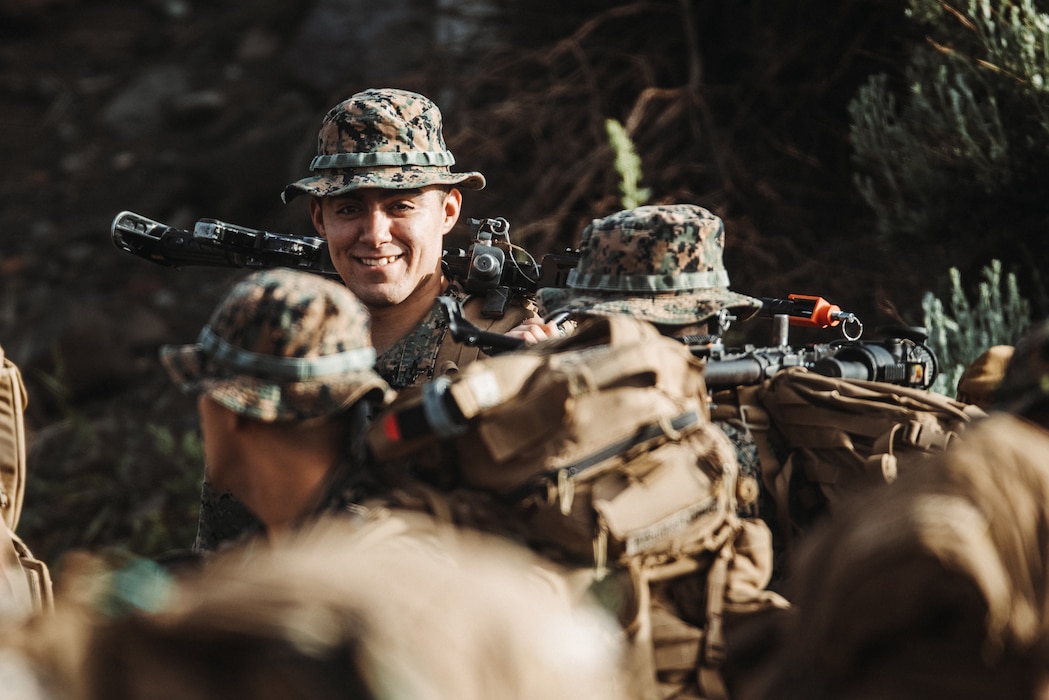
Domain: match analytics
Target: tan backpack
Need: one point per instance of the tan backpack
(823, 438)
(598, 451)
(577, 432)
(27, 580)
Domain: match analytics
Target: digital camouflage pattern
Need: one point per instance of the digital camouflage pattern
(223, 519)
(1026, 380)
(413, 358)
(281, 346)
(384, 138)
(660, 263)
(430, 351)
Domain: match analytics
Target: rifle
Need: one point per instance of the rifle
(491, 265)
(902, 358)
(219, 244)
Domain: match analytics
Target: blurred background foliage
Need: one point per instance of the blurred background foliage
(875, 152)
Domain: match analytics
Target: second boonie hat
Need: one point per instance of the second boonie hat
(659, 263)
(282, 345)
(385, 138)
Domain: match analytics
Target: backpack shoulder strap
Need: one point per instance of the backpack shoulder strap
(26, 585)
(13, 401)
(454, 356)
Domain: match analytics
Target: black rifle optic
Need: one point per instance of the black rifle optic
(494, 266)
(902, 359)
(491, 265)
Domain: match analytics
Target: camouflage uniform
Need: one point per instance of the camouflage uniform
(663, 264)
(282, 346)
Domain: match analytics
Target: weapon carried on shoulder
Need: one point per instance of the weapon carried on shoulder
(491, 265)
(219, 244)
(901, 358)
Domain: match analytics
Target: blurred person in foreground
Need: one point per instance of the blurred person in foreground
(398, 608)
(932, 587)
(284, 379)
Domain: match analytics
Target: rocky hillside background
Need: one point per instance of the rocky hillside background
(181, 110)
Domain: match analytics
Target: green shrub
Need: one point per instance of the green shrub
(963, 328)
(628, 166)
(960, 141)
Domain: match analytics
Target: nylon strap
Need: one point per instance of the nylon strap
(287, 368)
(647, 283)
(649, 432)
(713, 657)
(381, 159)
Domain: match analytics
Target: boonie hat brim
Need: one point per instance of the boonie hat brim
(669, 308)
(332, 183)
(267, 400)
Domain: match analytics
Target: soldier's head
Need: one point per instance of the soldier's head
(284, 363)
(659, 263)
(383, 193)
(1024, 390)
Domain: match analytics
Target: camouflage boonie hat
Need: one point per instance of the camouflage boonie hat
(383, 138)
(281, 346)
(1026, 380)
(659, 263)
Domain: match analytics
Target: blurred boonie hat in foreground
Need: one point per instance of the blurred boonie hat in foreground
(281, 346)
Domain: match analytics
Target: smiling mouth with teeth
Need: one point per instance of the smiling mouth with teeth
(379, 262)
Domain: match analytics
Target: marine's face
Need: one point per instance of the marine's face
(387, 244)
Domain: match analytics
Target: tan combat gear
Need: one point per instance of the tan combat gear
(981, 379)
(25, 581)
(1026, 379)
